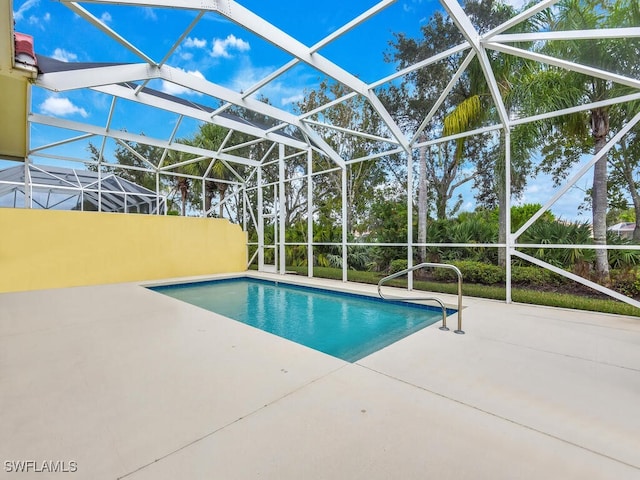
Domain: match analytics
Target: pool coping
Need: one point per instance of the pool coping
(130, 385)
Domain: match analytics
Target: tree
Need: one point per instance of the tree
(624, 178)
(363, 177)
(468, 105)
(410, 102)
(553, 88)
(182, 184)
(211, 137)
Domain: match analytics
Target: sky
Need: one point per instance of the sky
(226, 54)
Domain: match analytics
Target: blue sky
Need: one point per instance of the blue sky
(220, 50)
(226, 54)
(216, 49)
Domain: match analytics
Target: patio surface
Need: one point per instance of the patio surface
(129, 383)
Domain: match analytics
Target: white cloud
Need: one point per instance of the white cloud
(106, 17)
(221, 47)
(284, 91)
(292, 99)
(64, 56)
(61, 106)
(34, 20)
(191, 42)
(410, 6)
(18, 15)
(541, 189)
(149, 13)
(517, 4)
(174, 89)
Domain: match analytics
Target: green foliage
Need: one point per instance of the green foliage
(398, 265)
(626, 281)
(550, 232)
(473, 272)
(614, 215)
(622, 258)
(521, 213)
(535, 276)
(387, 223)
(474, 227)
(521, 295)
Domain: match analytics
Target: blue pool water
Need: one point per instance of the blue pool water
(344, 325)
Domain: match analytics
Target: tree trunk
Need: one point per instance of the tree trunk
(501, 194)
(183, 186)
(207, 202)
(502, 224)
(422, 203)
(208, 196)
(600, 129)
(635, 195)
(222, 188)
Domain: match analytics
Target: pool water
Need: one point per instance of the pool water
(347, 326)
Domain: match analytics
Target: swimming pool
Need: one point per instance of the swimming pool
(347, 326)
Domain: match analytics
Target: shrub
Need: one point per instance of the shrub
(626, 281)
(622, 259)
(398, 265)
(472, 272)
(535, 276)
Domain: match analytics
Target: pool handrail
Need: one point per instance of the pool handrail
(444, 309)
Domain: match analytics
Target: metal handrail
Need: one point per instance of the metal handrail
(444, 309)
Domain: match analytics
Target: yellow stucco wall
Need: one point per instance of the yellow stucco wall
(49, 249)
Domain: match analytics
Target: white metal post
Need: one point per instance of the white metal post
(28, 192)
(27, 184)
(100, 184)
(309, 213)
(260, 221)
(158, 193)
(281, 209)
(204, 196)
(344, 224)
(410, 218)
(244, 206)
(507, 206)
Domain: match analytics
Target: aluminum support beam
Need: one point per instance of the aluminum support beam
(507, 207)
(80, 11)
(467, 29)
(601, 33)
(585, 168)
(309, 213)
(572, 66)
(126, 93)
(410, 219)
(132, 137)
(345, 225)
(281, 211)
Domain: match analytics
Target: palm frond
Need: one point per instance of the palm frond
(466, 113)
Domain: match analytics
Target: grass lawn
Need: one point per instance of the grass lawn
(520, 295)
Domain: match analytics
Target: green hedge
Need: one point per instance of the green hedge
(488, 274)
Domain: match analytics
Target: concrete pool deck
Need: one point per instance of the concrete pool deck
(128, 383)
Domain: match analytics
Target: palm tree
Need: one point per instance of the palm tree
(548, 88)
(211, 137)
(181, 184)
(476, 106)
